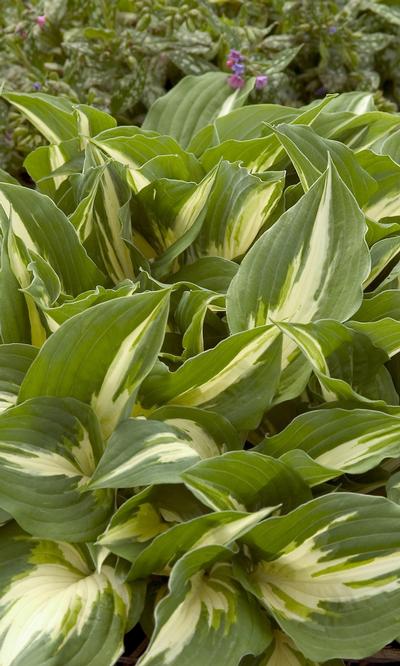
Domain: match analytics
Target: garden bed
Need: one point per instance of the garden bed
(200, 357)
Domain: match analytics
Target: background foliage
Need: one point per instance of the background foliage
(122, 55)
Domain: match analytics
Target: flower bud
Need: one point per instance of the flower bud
(261, 81)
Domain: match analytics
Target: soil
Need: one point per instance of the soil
(390, 655)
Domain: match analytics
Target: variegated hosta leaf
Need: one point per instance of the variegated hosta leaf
(383, 203)
(236, 379)
(168, 167)
(127, 131)
(244, 135)
(346, 363)
(102, 355)
(257, 155)
(391, 146)
(161, 214)
(190, 315)
(15, 360)
(38, 226)
(356, 103)
(145, 154)
(99, 555)
(245, 481)
(14, 316)
(7, 178)
(55, 609)
(207, 617)
(379, 230)
(361, 132)
(283, 651)
(393, 488)
(137, 147)
(242, 124)
(334, 125)
(265, 151)
(141, 452)
(50, 166)
(295, 372)
(340, 441)
(44, 165)
(102, 216)
(147, 514)
(91, 121)
(392, 281)
(382, 254)
(220, 528)
(58, 314)
(384, 304)
(52, 116)
(5, 517)
(49, 448)
(193, 103)
(204, 428)
(239, 206)
(175, 213)
(384, 333)
(45, 287)
(329, 572)
(253, 143)
(213, 273)
(310, 154)
(335, 353)
(309, 265)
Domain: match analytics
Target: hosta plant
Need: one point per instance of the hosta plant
(200, 425)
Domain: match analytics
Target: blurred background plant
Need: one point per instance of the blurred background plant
(121, 55)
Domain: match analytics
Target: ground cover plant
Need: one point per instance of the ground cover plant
(121, 56)
(200, 420)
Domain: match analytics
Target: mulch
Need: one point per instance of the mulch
(390, 655)
(133, 658)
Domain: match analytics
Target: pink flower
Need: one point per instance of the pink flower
(235, 81)
(41, 20)
(230, 62)
(261, 81)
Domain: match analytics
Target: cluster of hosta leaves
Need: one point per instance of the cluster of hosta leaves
(122, 55)
(200, 426)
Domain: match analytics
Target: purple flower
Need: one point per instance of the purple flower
(261, 81)
(235, 81)
(41, 20)
(238, 68)
(235, 55)
(332, 30)
(320, 92)
(37, 85)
